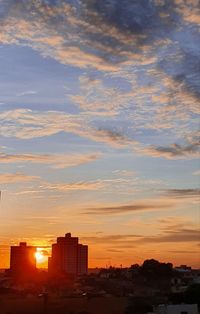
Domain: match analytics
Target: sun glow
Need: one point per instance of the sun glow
(40, 257)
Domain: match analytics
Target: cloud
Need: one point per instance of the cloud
(183, 252)
(146, 43)
(31, 191)
(184, 193)
(6, 178)
(174, 151)
(147, 205)
(100, 184)
(111, 239)
(27, 124)
(113, 137)
(25, 93)
(105, 34)
(124, 173)
(74, 186)
(182, 235)
(196, 173)
(158, 104)
(166, 200)
(55, 161)
(115, 251)
(174, 229)
(84, 29)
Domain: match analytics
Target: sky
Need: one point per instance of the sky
(99, 127)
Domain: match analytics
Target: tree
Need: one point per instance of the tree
(153, 267)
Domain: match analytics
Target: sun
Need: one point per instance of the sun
(40, 257)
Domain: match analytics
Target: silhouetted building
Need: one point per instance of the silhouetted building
(82, 259)
(22, 259)
(68, 256)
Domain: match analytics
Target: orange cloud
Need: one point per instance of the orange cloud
(7, 178)
(54, 160)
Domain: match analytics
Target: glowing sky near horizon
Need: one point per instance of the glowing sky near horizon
(99, 127)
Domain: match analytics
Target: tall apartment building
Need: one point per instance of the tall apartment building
(68, 256)
(22, 259)
(82, 259)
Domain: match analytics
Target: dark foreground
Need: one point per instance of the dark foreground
(34, 305)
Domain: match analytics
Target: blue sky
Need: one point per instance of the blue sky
(99, 126)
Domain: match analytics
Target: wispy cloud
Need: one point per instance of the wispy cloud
(73, 186)
(53, 160)
(196, 173)
(27, 124)
(182, 235)
(106, 35)
(166, 200)
(184, 193)
(111, 239)
(26, 93)
(6, 178)
(100, 184)
(174, 151)
(113, 36)
(137, 206)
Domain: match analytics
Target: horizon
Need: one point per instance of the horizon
(42, 261)
(99, 128)
(43, 253)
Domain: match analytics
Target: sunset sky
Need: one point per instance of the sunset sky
(99, 104)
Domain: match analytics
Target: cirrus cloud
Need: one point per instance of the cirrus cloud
(6, 178)
(53, 160)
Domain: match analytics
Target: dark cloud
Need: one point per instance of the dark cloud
(132, 17)
(151, 21)
(140, 206)
(118, 241)
(115, 251)
(115, 137)
(107, 28)
(185, 66)
(115, 238)
(185, 193)
(183, 252)
(175, 151)
(182, 235)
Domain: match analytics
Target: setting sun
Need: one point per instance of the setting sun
(40, 257)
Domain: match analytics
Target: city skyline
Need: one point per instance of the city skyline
(61, 259)
(99, 128)
(67, 257)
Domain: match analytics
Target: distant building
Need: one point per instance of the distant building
(183, 269)
(68, 256)
(22, 259)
